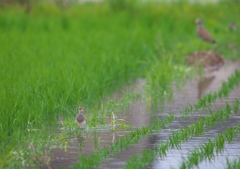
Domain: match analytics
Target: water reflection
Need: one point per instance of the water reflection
(84, 143)
(138, 115)
(204, 84)
(211, 82)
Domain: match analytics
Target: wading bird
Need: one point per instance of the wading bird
(203, 34)
(80, 118)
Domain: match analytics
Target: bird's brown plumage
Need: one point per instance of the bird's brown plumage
(203, 34)
(80, 118)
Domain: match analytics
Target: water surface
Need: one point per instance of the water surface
(139, 114)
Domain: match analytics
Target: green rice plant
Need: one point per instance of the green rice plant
(160, 77)
(44, 75)
(222, 114)
(52, 61)
(207, 99)
(114, 105)
(197, 128)
(220, 142)
(184, 134)
(132, 138)
(236, 105)
(110, 110)
(127, 5)
(167, 60)
(207, 150)
(67, 130)
(233, 164)
(174, 141)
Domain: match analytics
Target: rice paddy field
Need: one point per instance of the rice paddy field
(125, 63)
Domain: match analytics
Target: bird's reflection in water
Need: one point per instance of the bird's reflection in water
(80, 142)
(203, 84)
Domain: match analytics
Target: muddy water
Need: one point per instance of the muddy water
(138, 115)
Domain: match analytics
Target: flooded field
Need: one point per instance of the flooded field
(124, 67)
(139, 114)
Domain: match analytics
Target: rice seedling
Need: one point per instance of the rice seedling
(62, 71)
(207, 150)
(53, 60)
(207, 99)
(68, 130)
(132, 138)
(236, 106)
(184, 134)
(233, 164)
(193, 130)
(110, 110)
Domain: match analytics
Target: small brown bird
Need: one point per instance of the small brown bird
(203, 34)
(80, 118)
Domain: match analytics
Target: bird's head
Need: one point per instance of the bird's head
(198, 21)
(81, 109)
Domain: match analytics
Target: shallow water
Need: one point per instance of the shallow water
(138, 115)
